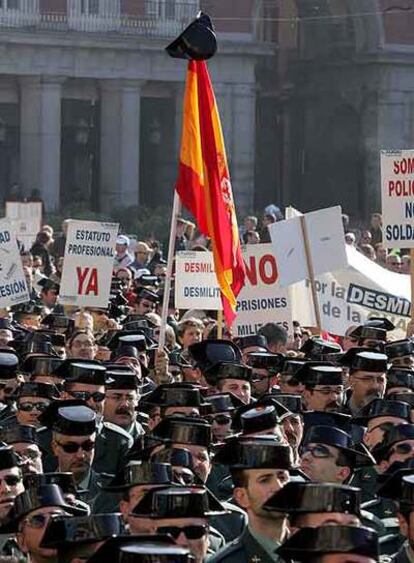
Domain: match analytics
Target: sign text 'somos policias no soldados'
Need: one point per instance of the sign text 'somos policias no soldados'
(397, 180)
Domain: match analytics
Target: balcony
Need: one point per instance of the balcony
(159, 18)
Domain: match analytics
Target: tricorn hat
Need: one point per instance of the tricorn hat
(197, 41)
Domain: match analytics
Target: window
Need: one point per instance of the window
(89, 7)
(9, 4)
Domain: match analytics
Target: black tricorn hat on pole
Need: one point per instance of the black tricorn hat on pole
(197, 42)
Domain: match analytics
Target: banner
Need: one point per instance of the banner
(397, 181)
(325, 242)
(260, 301)
(26, 220)
(13, 287)
(352, 295)
(88, 264)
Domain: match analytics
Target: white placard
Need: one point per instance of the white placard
(88, 263)
(326, 245)
(353, 295)
(261, 300)
(13, 287)
(26, 220)
(397, 192)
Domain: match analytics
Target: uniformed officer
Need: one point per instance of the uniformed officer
(79, 537)
(259, 466)
(184, 513)
(328, 543)
(323, 386)
(401, 353)
(31, 400)
(121, 402)
(25, 443)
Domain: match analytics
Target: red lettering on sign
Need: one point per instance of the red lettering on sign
(91, 285)
(266, 268)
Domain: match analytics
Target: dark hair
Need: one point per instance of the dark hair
(274, 333)
(239, 477)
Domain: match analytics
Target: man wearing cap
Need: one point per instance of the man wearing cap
(324, 389)
(331, 544)
(121, 403)
(31, 400)
(122, 257)
(265, 367)
(259, 468)
(183, 513)
(79, 537)
(30, 515)
(401, 353)
(11, 480)
(48, 297)
(85, 381)
(10, 379)
(287, 377)
(403, 494)
(367, 378)
(145, 302)
(25, 443)
(73, 443)
(329, 455)
(194, 434)
(228, 377)
(317, 504)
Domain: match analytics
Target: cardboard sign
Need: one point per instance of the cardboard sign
(326, 245)
(26, 220)
(13, 287)
(353, 295)
(261, 300)
(397, 189)
(88, 263)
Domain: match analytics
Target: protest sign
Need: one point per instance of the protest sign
(397, 181)
(196, 283)
(326, 247)
(353, 295)
(13, 287)
(26, 220)
(88, 263)
(261, 300)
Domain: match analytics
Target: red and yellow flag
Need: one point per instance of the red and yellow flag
(204, 183)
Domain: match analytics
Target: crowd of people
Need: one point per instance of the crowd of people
(265, 448)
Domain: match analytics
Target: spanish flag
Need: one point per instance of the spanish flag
(204, 184)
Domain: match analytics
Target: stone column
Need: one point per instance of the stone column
(223, 94)
(243, 145)
(41, 137)
(120, 143)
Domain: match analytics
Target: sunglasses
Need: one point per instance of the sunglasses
(220, 419)
(39, 520)
(402, 449)
(319, 452)
(97, 397)
(73, 447)
(29, 407)
(11, 480)
(190, 532)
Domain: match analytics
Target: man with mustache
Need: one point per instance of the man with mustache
(324, 389)
(367, 378)
(122, 396)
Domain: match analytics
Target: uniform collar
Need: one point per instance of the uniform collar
(266, 544)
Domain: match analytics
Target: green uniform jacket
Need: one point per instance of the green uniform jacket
(244, 549)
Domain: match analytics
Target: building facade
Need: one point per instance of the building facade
(90, 103)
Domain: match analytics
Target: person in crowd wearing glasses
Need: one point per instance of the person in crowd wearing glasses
(10, 379)
(260, 466)
(31, 400)
(220, 416)
(85, 382)
(287, 381)
(81, 345)
(11, 480)
(31, 514)
(328, 455)
(323, 387)
(367, 378)
(146, 301)
(25, 443)
(184, 514)
(401, 353)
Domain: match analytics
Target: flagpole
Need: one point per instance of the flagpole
(220, 323)
(311, 274)
(170, 260)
